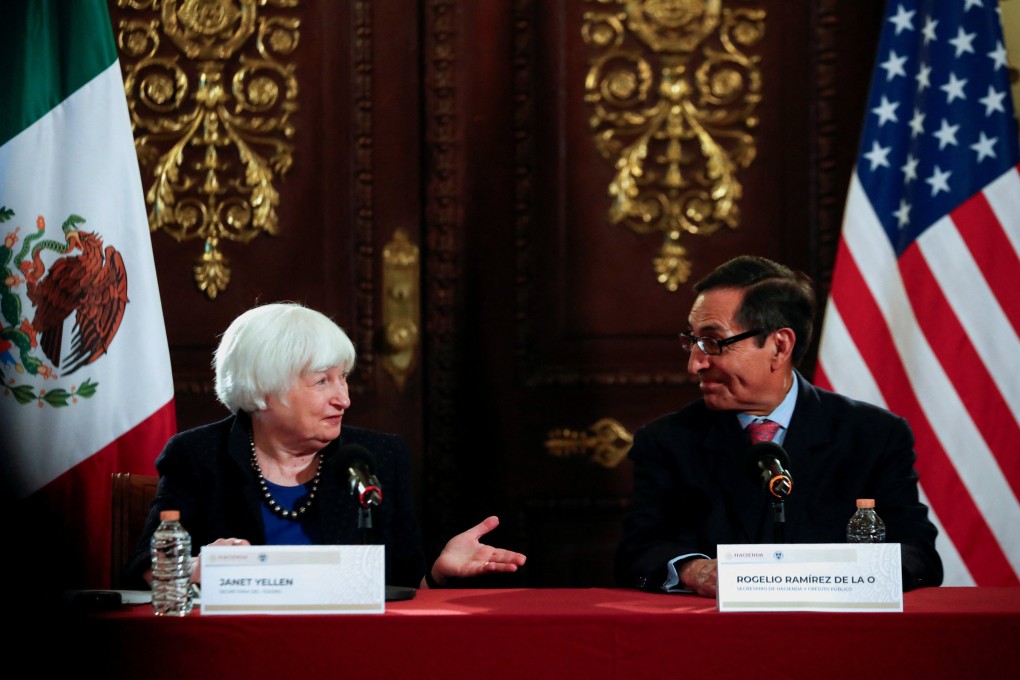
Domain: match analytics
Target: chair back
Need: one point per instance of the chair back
(132, 496)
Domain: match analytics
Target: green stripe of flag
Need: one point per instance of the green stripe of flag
(48, 49)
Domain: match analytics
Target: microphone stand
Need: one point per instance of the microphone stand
(779, 520)
(780, 487)
(364, 523)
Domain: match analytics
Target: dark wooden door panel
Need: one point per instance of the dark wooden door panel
(560, 321)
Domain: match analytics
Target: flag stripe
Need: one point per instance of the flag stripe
(854, 377)
(48, 49)
(860, 311)
(81, 496)
(995, 260)
(964, 368)
(972, 297)
(1003, 196)
(854, 374)
(953, 566)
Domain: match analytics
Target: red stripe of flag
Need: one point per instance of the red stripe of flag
(73, 513)
(821, 379)
(992, 251)
(960, 517)
(961, 362)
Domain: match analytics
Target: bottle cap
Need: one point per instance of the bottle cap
(865, 502)
(175, 515)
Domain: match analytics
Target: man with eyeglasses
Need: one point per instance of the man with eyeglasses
(749, 327)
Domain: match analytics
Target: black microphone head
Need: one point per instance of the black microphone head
(356, 455)
(360, 466)
(762, 451)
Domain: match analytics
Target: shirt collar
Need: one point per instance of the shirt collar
(781, 414)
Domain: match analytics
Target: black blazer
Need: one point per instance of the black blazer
(206, 473)
(692, 491)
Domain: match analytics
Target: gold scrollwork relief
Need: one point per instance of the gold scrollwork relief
(211, 97)
(401, 310)
(674, 93)
(605, 443)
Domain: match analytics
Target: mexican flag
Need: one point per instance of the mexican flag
(86, 384)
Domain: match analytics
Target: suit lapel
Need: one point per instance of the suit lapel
(338, 512)
(808, 432)
(726, 447)
(239, 451)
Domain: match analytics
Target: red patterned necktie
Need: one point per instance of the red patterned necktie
(762, 430)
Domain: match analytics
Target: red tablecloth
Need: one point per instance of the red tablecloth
(572, 633)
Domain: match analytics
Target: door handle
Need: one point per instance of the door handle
(401, 312)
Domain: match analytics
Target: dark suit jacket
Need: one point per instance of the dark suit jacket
(692, 491)
(206, 474)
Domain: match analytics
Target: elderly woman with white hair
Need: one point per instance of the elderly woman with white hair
(275, 472)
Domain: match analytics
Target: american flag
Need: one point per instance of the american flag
(925, 307)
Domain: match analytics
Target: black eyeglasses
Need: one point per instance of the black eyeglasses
(714, 346)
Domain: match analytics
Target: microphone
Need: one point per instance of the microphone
(767, 464)
(361, 477)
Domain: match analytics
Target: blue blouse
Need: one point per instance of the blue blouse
(280, 531)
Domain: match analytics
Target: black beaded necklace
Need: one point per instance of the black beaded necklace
(267, 497)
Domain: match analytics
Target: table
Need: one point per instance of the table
(572, 633)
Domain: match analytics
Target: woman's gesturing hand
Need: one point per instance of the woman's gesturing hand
(465, 555)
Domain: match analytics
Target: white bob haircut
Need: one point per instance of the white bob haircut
(268, 347)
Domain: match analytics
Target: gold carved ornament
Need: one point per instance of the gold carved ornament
(401, 311)
(211, 100)
(605, 443)
(674, 95)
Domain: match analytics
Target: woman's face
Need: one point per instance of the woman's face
(310, 415)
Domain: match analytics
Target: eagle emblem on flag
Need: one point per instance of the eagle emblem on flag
(85, 279)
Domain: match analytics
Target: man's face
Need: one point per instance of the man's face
(745, 377)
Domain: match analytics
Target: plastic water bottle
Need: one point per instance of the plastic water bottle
(865, 526)
(171, 566)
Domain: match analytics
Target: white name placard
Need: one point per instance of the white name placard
(857, 577)
(293, 579)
